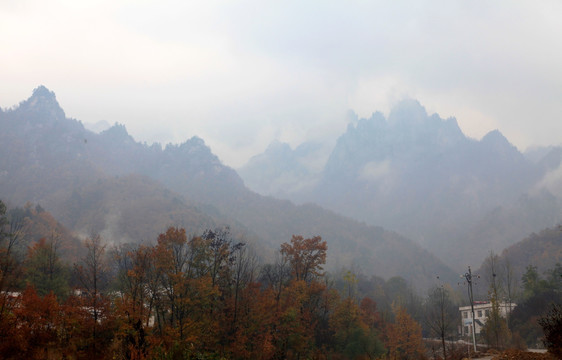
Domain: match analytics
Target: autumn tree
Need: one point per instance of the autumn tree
(173, 260)
(35, 333)
(187, 287)
(370, 315)
(306, 256)
(294, 328)
(404, 336)
(139, 289)
(75, 329)
(255, 331)
(297, 294)
(371, 318)
(346, 319)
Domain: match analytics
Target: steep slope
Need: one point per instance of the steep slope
(542, 249)
(102, 195)
(35, 223)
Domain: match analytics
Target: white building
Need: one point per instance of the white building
(482, 310)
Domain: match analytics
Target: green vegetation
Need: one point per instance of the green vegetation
(552, 327)
(538, 294)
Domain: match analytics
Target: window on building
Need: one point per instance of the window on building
(466, 329)
(487, 313)
(479, 313)
(465, 314)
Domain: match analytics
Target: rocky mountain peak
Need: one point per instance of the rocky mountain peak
(409, 135)
(42, 104)
(195, 145)
(193, 150)
(117, 133)
(408, 112)
(495, 142)
(42, 92)
(277, 146)
(494, 137)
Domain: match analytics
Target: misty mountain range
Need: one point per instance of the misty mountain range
(110, 184)
(415, 174)
(419, 175)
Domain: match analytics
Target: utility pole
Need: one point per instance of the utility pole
(468, 278)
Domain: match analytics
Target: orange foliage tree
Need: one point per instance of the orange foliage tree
(404, 336)
(134, 304)
(306, 256)
(197, 297)
(36, 323)
(298, 301)
(187, 287)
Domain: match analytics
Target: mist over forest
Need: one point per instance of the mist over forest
(387, 180)
(402, 205)
(328, 180)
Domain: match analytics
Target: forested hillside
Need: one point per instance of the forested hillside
(542, 250)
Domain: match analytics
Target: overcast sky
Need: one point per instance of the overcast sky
(240, 74)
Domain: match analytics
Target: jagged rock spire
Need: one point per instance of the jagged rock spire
(43, 103)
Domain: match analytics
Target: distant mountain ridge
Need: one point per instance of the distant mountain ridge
(418, 174)
(281, 171)
(129, 191)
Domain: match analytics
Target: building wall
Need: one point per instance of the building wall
(481, 313)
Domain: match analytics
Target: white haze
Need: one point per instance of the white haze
(552, 181)
(241, 74)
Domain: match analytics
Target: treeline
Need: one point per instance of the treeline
(200, 297)
(209, 297)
